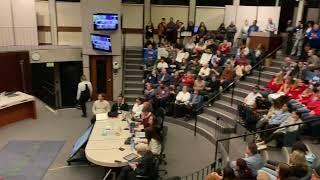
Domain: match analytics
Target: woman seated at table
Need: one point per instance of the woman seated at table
(137, 107)
(148, 119)
(152, 141)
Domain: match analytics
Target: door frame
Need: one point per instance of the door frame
(93, 75)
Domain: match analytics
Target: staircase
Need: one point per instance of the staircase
(133, 75)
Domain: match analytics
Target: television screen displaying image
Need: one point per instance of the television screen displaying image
(101, 42)
(103, 21)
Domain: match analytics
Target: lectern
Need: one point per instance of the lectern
(268, 40)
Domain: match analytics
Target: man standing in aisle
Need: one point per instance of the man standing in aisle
(84, 93)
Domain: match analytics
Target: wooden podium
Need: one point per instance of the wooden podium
(269, 41)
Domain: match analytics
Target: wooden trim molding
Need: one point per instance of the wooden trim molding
(78, 29)
(132, 31)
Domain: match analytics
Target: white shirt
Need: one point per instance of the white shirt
(251, 98)
(162, 52)
(137, 109)
(162, 65)
(271, 27)
(183, 97)
(100, 107)
(82, 87)
(205, 58)
(154, 146)
(182, 55)
(204, 72)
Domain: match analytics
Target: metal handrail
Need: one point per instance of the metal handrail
(232, 85)
(207, 169)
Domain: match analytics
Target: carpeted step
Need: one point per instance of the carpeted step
(236, 99)
(246, 85)
(223, 114)
(133, 72)
(218, 124)
(134, 84)
(133, 90)
(133, 78)
(241, 92)
(265, 74)
(254, 80)
(227, 106)
(136, 66)
(134, 51)
(272, 69)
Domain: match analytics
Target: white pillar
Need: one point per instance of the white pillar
(236, 2)
(53, 22)
(300, 11)
(277, 3)
(192, 11)
(147, 12)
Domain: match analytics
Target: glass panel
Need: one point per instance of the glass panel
(171, 2)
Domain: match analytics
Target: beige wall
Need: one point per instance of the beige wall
(134, 40)
(6, 26)
(177, 12)
(88, 8)
(42, 12)
(57, 55)
(211, 16)
(132, 15)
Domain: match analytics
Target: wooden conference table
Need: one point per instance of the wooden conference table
(15, 107)
(107, 136)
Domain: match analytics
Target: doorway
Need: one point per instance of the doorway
(70, 73)
(101, 76)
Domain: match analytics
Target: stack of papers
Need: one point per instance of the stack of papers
(102, 116)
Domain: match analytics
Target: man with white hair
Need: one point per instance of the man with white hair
(145, 167)
(271, 27)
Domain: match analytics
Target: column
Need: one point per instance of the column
(147, 12)
(277, 3)
(53, 22)
(192, 11)
(236, 2)
(300, 11)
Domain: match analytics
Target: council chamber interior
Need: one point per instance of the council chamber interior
(159, 89)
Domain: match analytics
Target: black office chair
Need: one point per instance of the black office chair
(155, 174)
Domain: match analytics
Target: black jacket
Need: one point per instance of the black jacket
(146, 166)
(123, 107)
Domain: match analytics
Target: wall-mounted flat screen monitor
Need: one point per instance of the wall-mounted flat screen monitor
(105, 21)
(101, 42)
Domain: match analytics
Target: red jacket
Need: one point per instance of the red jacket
(294, 92)
(187, 81)
(272, 85)
(224, 48)
(305, 99)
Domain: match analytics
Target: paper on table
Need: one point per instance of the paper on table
(101, 116)
(140, 134)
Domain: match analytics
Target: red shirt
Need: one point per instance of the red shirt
(272, 85)
(242, 62)
(224, 48)
(294, 92)
(306, 98)
(187, 80)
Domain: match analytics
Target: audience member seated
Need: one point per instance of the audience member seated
(227, 76)
(195, 67)
(312, 66)
(296, 89)
(242, 66)
(152, 141)
(189, 44)
(253, 159)
(99, 106)
(204, 71)
(213, 87)
(200, 46)
(226, 174)
(284, 89)
(249, 101)
(147, 119)
(161, 95)
(243, 171)
(182, 55)
(279, 134)
(137, 107)
(149, 56)
(275, 84)
(120, 105)
(224, 47)
(188, 80)
(164, 77)
(162, 64)
(149, 92)
(151, 78)
(145, 167)
(206, 57)
(175, 80)
(199, 84)
(182, 99)
(162, 51)
(194, 104)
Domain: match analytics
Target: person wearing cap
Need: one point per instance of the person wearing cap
(145, 167)
(316, 173)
